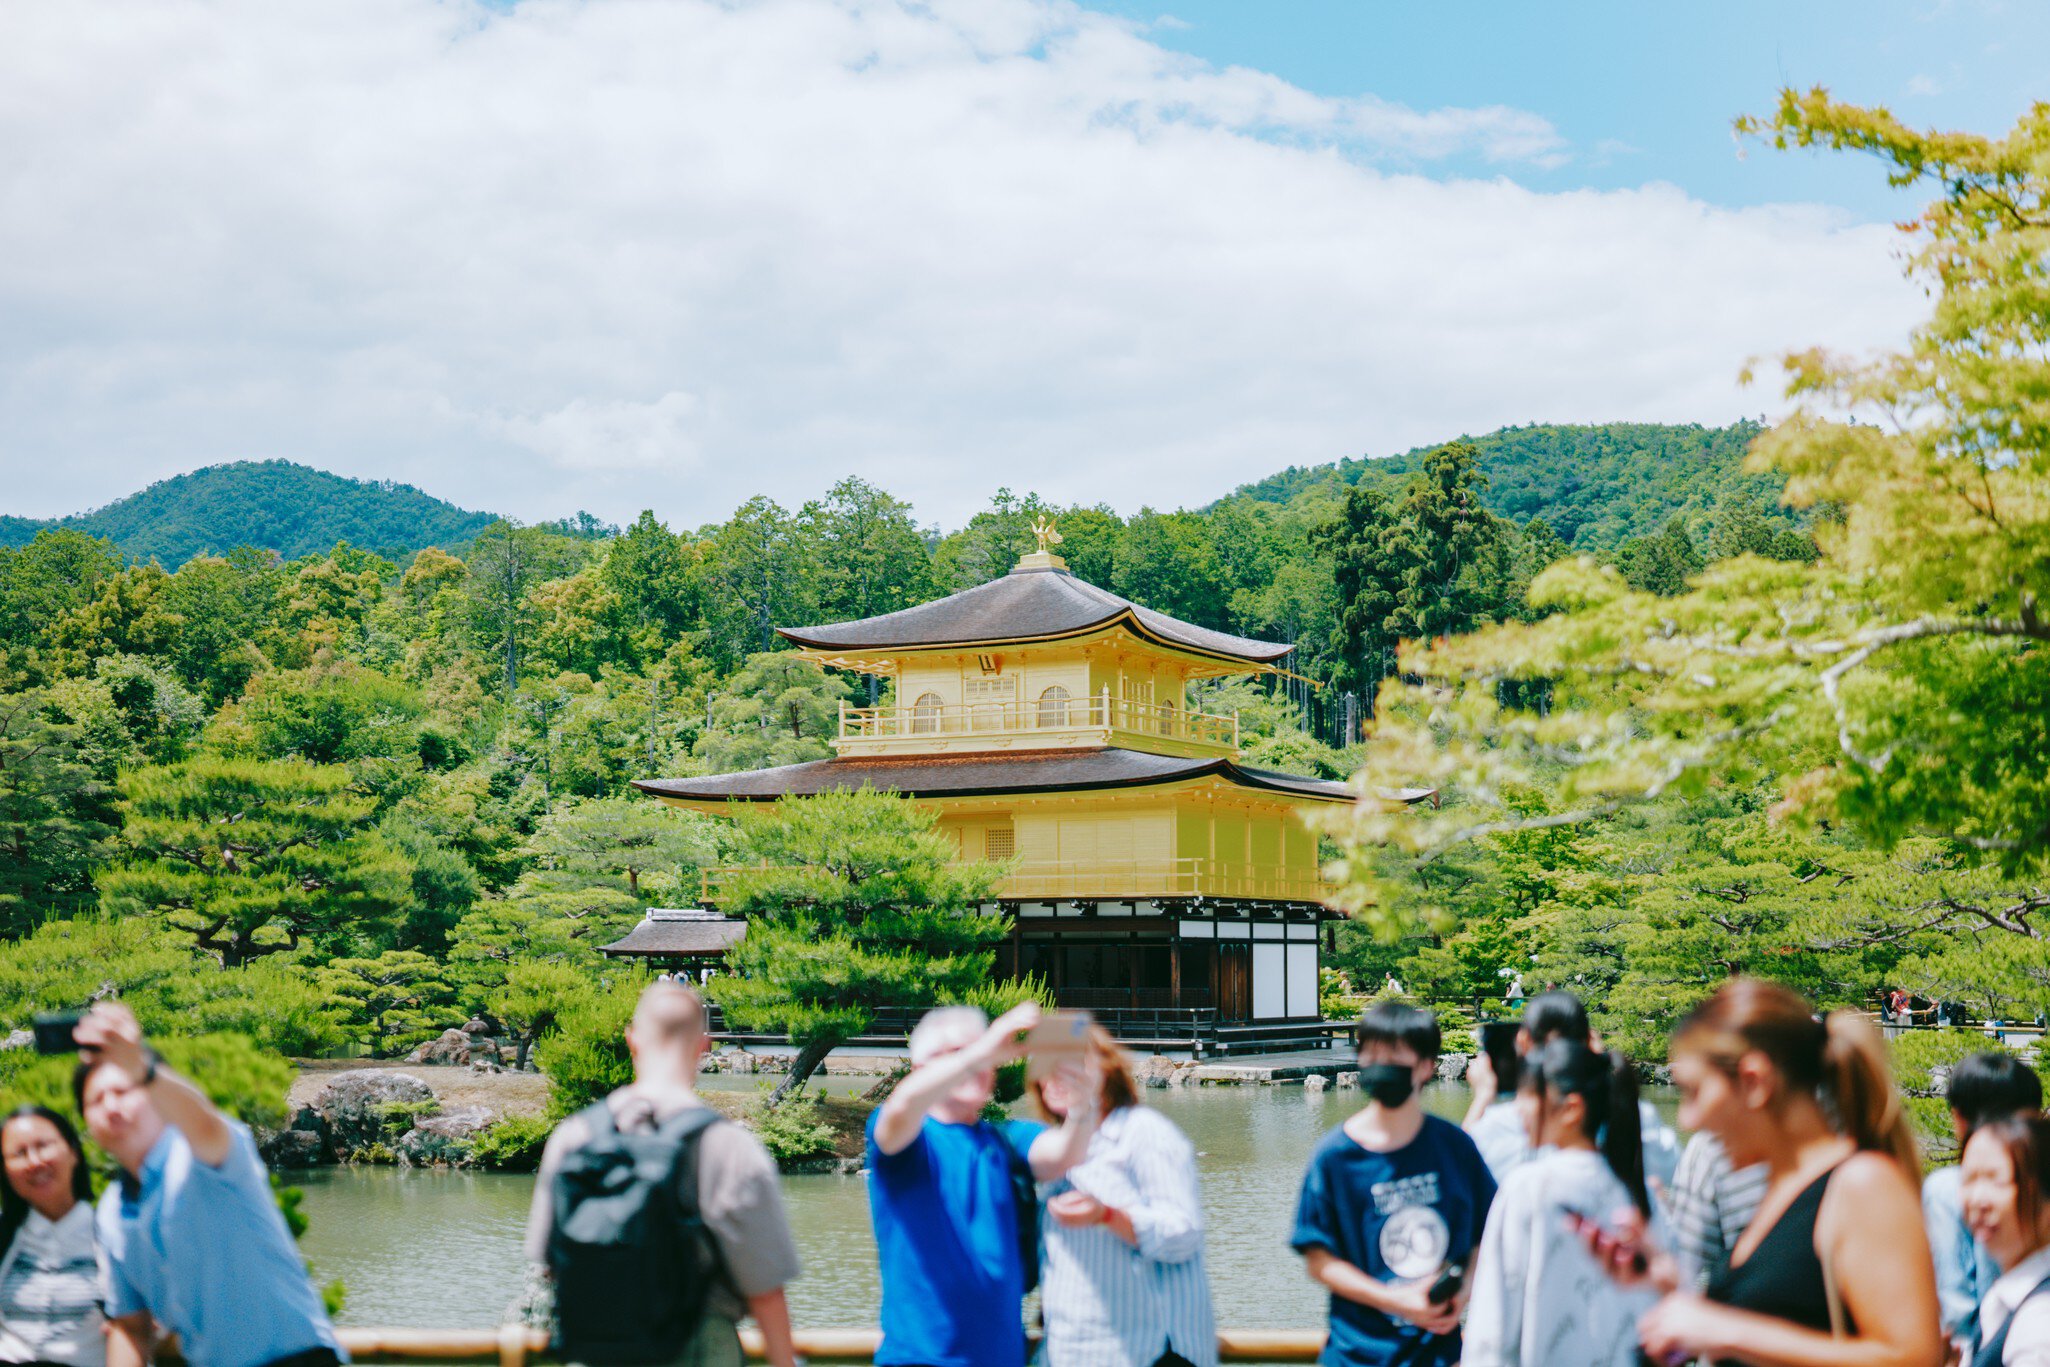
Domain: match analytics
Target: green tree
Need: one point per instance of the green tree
(55, 818)
(1367, 569)
(60, 572)
(777, 709)
(1894, 685)
(763, 570)
(625, 838)
(251, 858)
(396, 999)
(860, 904)
(533, 998)
(871, 558)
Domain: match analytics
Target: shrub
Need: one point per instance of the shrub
(793, 1130)
(514, 1144)
(586, 1056)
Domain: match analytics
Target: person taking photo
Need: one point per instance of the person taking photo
(952, 1195)
(193, 1238)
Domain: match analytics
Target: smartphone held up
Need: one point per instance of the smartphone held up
(57, 1031)
(1061, 1037)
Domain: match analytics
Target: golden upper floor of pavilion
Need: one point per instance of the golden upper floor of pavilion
(1035, 660)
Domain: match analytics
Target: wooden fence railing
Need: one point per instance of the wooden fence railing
(515, 1346)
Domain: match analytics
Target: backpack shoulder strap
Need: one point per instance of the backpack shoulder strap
(599, 1118)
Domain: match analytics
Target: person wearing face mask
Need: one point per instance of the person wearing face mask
(1539, 1297)
(52, 1278)
(1392, 1207)
(2003, 1178)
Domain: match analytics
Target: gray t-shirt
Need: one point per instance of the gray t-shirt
(738, 1195)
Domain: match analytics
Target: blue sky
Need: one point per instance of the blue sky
(1644, 90)
(616, 255)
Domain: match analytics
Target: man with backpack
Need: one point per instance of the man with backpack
(953, 1198)
(660, 1223)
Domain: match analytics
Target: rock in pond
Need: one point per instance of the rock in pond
(444, 1138)
(1452, 1067)
(352, 1107)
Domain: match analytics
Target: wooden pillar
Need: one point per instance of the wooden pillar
(1174, 964)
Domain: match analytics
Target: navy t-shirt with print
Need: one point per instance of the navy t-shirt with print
(1396, 1216)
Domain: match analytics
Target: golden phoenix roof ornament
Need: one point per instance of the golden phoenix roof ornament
(1042, 528)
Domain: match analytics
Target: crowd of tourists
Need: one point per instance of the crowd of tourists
(1561, 1223)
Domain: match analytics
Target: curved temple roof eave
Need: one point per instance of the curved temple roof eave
(993, 775)
(1016, 609)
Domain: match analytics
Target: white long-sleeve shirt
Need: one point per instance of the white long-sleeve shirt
(1106, 1303)
(1539, 1299)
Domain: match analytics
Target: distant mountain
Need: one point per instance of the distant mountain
(1597, 486)
(270, 504)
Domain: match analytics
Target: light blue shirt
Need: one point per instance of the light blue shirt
(205, 1250)
(1964, 1273)
(1107, 1303)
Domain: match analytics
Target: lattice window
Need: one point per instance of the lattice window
(1003, 688)
(999, 842)
(1053, 707)
(925, 714)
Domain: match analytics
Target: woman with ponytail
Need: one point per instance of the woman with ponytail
(1539, 1298)
(1834, 1270)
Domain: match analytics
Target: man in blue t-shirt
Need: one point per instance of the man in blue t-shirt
(945, 1189)
(1391, 1199)
(192, 1236)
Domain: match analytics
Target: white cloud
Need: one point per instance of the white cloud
(1922, 83)
(582, 435)
(616, 255)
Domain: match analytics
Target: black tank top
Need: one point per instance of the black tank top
(1783, 1276)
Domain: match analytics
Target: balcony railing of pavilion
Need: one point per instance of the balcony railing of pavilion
(1065, 880)
(1101, 712)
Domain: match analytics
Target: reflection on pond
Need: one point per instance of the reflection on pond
(442, 1250)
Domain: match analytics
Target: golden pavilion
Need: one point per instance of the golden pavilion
(1154, 879)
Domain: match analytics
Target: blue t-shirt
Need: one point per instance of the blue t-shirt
(946, 1225)
(1396, 1216)
(206, 1251)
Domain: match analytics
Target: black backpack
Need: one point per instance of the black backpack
(1025, 1201)
(632, 1258)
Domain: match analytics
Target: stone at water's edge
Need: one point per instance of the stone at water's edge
(1348, 1081)
(1315, 1082)
(454, 1046)
(347, 1108)
(1452, 1067)
(444, 1138)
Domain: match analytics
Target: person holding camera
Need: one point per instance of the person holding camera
(193, 1238)
(952, 1195)
(1393, 1206)
(52, 1279)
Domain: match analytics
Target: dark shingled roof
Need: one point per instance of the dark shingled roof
(664, 933)
(984, 773)
(1024, 605)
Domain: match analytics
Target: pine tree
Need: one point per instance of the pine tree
(252, 858)
(859, 904)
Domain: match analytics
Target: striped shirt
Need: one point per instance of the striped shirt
(1710, 1202)
(52, 1281)
(1106, 1303)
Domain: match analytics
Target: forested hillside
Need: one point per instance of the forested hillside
(272, 505)
(1596, 486)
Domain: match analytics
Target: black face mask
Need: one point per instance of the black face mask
(1388, 1084)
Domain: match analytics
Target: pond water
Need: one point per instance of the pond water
(442, 1250)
